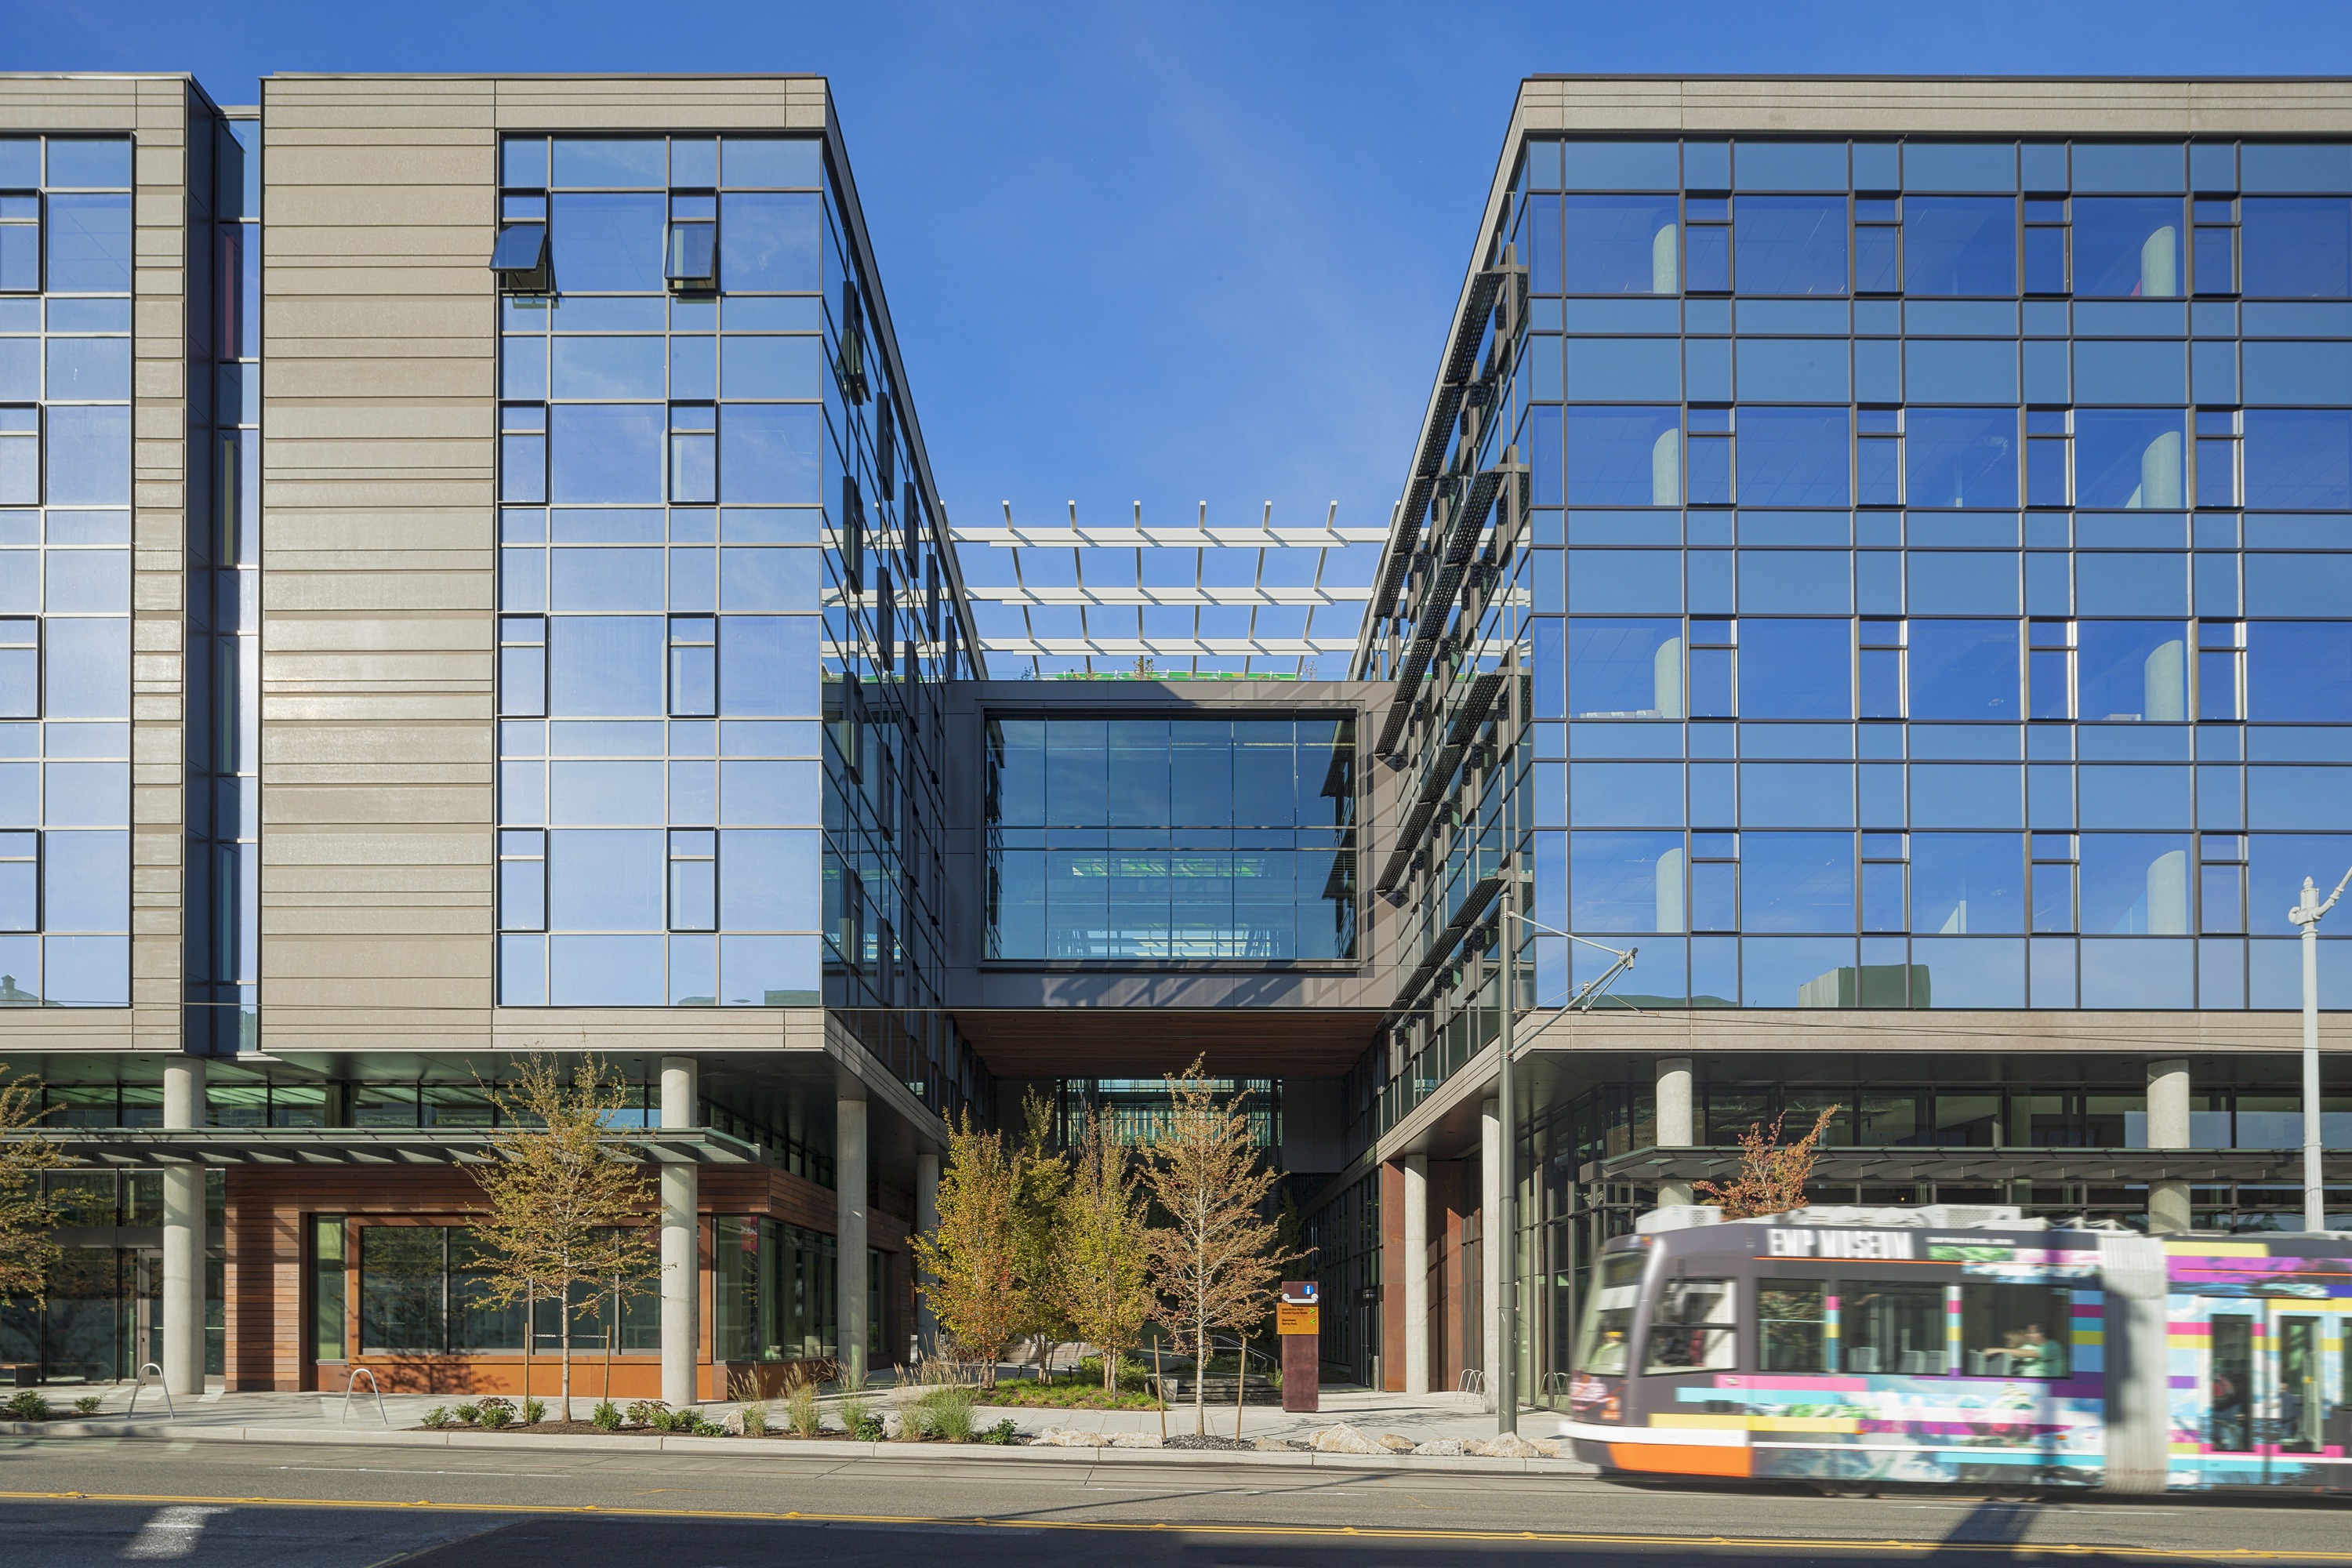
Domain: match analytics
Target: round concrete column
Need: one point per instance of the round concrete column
(927, 1221)
(183, 1235)
(1677, 1125)
(849, 1234)
(681, 1259)
(2167, 1128)
(1416, 1274)
(1491, 1242)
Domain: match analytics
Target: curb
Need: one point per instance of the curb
(787, 1449)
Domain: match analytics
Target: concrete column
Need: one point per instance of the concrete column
(1491, 1241)
(1416, 1274)
(1677, 1126)
(183, 1236)
(2167, 1128)
(849, 1234)
(927, 1220)
(681, 1234)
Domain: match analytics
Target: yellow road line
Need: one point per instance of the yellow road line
(1304, 1531)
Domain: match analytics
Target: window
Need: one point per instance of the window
(2015, 1330)
(20, 457)
(1889, 1327)
(693, 879)
(2214, 257)
(2220, 660)
(1791, 1326)
(1707, 235)
(1790, 245)
(20, 667)
(2216, 458)
(2297, 247)
(1624, 669)
(1606, 1337)
(1877, 251)
(1694, 1328)
(849, 364)
(692, 265)
(2045, 245)
(328, 1302)
(1617, 245)
(522, 452)
(522, 878)
(1959, 245)
(2128, 246)
(1878, 470)
(2050, 670)
(693, 667)
(693, 453)
(20, 243)
(2048, 456)
(522, 666)
(20, 882)
(520, 258)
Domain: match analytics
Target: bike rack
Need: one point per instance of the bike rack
(1472, 1381)
(353, 1383)
(161, 1387)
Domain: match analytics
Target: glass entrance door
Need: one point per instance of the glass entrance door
(143, 1317)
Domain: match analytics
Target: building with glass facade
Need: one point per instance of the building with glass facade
(1872, 550)
(473, 585)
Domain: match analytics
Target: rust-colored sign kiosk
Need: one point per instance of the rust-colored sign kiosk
(1298, 1320)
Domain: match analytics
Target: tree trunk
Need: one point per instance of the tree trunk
(526, 1357)
(567, 1353)
(611, 1335)
(1199, 1374)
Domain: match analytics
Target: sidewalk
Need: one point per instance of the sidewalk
(315, 1418)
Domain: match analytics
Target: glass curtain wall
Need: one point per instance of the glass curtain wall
(65, 571)
(1157, 838)
(1935, 575)
(721, 615)
(223, 738)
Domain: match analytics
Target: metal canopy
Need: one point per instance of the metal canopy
(1193, 598)
(360, 1146)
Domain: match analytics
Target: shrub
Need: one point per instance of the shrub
(943, 1413)
(695, 1424)
(800, 1412)
(469, 1413)
(89, 1403)
(1002, 1433)
(437, 1417)
(497, 1412)
(29, 1407)
(643, 1411)
(1132, 1374)
(534, 1411)
(755, 1418)
(859, 1421)
(607, 1417)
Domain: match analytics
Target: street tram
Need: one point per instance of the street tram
(1852, 1348)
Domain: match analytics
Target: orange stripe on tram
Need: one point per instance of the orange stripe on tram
(1681, 1459)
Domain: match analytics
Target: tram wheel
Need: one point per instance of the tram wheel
(1851, 1493)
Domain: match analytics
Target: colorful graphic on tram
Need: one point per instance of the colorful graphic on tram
(1856, 1347)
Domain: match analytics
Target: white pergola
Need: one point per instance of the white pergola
(1193, 598)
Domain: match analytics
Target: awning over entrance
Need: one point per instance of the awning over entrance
(362, 1146)
(1910, 1164)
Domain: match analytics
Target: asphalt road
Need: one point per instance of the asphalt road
(320, 1506)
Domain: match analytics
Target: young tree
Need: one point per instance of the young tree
(1772, 1175)
(972, 1261)
(28, 1216)
(1215, 1264)
(1041, 1175)
(1104, 1266)
(570, 1210)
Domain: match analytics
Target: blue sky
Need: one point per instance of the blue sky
(1174, 253)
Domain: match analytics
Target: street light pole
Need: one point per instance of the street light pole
(2307, 913)
(1506, 1229)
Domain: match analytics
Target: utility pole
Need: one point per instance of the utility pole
(2307, 913)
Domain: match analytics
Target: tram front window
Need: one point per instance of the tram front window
(1790, 1326)
(1694, 1328)
(2016, 1331)
(1887, 1326)
(1608, 1329)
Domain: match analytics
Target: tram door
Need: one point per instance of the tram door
(2302, 1395)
